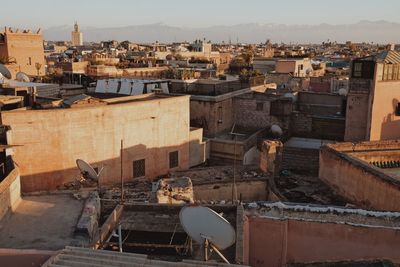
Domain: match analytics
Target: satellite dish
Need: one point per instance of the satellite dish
(87, 171)
(342, 91)
(5, 72)
(208, 228)
(276, 130)
(290, 95)
(22, 77)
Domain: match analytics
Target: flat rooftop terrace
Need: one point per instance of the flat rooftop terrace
(42, 222)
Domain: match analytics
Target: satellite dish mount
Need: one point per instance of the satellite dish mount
(208, 229)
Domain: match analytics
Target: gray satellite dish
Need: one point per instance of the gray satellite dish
(22, 77)
(208, 228)
(87, 171)
(5, 72)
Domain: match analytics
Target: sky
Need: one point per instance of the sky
(193, 13)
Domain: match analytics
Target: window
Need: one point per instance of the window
(260, 106)
(219, 114)
(139, 168)
(357, 69)
(30, 61)
(173, 159)
(397, 111)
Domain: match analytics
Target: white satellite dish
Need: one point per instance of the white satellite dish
(208, 228)
(22, 77)
(342, 91)
(5, 72)
(276, 130)
(87, 171)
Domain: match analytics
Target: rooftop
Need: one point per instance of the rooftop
(42, 222)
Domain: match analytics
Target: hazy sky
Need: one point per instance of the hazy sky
(193, 13)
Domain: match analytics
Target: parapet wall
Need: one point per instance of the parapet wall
(10, 192)
(277, 234)
(355, 179)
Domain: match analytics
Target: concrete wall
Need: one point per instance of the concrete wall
(357, 181)
(274, 243)
(356, 117)
(10, 193)
(53, 139)
(385, 125)
(198, 149)
(248, 190)
(213, 117)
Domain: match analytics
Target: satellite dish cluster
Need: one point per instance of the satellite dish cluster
(22, 79)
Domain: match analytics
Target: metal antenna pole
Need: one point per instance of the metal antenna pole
(122, 179)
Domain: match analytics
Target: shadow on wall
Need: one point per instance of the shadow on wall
(390, 128)
(157, 162)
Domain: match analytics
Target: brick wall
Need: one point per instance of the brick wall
(309, 126)
(247, 114)
(300, 159)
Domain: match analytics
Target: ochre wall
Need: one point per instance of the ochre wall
(10, 193)
(385, 125)
(51, 140)
(357, 184)
(275, 243)
(356, 117)
(21, 47)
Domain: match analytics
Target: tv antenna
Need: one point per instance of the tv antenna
(207, 228)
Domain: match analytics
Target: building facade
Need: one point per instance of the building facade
(154, 129)
(373, 109)
(23, 50)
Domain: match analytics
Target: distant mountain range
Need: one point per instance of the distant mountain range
(368, 31)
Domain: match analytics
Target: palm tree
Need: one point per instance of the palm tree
(248, 57)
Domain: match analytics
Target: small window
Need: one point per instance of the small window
(173, 159)
(357, 69)
(139, 168)
(30, 61)
(397, 111)
(260, 106)
(219, 114)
